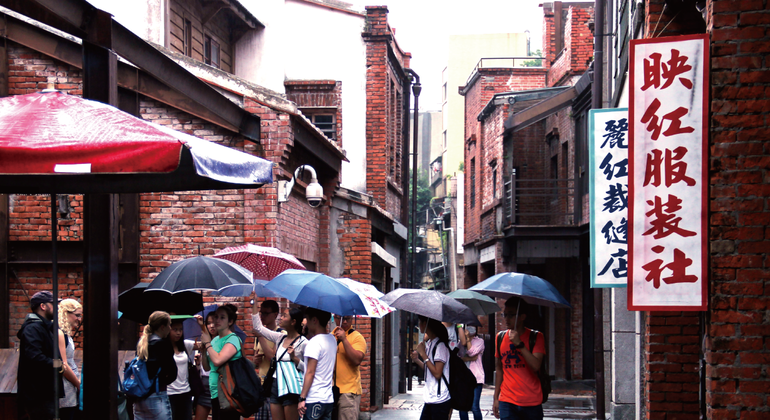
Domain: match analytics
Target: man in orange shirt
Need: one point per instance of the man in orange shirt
(518, 395)
(351, 349)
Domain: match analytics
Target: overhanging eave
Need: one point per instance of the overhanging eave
(537, 112)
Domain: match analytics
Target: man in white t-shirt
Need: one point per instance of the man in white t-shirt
(316, 401)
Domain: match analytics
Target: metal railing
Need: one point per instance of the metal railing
(503, 63)
(541, 202)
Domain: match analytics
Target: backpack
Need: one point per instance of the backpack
(463, 382)
(542, 373)
(239, 387)
(136, 381)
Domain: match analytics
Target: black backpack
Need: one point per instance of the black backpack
(239, 388)
(542, 373)
(463, 382)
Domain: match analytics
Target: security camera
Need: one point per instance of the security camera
(314, 193)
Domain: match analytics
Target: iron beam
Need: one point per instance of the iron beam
(82, 20)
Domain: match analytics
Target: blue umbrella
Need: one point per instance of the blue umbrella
(193, 330)
(532, 289)
(317, 291)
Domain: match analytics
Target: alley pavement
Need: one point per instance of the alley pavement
(569, 400)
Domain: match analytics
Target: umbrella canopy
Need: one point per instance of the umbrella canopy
(193, 330)
(532, 289)
(137, 303)
(54, 142)
(479, 304)
(263, 261)
(202, 273)
(432, 304)
(244, 290)
(318, 291)
(375, 308)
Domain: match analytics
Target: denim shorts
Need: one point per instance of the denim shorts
(156, 406)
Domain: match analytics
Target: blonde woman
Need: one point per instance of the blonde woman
(155, 348)
(70, 315)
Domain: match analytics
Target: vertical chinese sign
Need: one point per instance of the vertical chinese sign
(608, 171)
(667, 189)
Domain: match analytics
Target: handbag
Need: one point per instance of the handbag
(289, 378)
(194, 376)
(267, 383)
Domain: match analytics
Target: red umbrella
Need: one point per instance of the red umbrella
(264, 261)
(54, 142)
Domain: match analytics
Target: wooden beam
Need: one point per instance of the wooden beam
(79, 18)
(129, 77)
(5, 304)
(100, 231)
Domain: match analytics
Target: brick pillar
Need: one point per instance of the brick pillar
(737, 348)
(356, 245)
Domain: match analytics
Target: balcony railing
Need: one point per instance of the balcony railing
(541, 202)
(505, 63)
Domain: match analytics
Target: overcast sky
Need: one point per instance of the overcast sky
(423, 28)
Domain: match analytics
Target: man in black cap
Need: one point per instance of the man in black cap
(35, 375)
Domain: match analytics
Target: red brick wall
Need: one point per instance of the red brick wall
(737, 349)
(30, 71)
(384, 113)
(318, 94)
(578, 46)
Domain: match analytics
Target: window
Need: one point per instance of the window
(211, 52)
(444, 93)
(473, 183)
(325, 123)
(187, 38)
(564, 160)
(444, 140)
(494, 183)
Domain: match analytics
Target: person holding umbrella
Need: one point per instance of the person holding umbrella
(154, 347)
(473, 358)
(289, 350)
(517, 387)
(203, 401)
(432, 355)
(219, 350)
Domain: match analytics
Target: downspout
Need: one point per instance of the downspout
(596, 103)
(416, 88)
(404, 361)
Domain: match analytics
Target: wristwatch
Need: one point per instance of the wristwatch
(519, 346)
(302, 399)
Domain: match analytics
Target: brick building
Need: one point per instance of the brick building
(710, 364)
(357, 232)
(523, 190)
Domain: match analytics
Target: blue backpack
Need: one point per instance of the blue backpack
(136, 381)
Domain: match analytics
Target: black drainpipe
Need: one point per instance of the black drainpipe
(597, 95)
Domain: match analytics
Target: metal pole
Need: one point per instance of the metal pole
(597, 94)
(416, 89)
(57, 363)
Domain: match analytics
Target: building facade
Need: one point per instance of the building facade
(358, 230)
(523, 189)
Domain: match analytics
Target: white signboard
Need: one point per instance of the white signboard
(667, 191)
(608, 171)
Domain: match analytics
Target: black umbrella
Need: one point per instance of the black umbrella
(202, 273)
(137, 303)
(432, 304)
